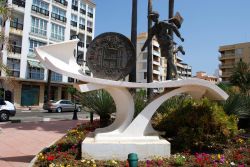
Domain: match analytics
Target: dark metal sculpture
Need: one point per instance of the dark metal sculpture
(160, 29)
(111, 56)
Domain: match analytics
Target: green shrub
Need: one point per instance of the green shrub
(196, 124)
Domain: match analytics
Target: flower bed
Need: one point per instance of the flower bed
(67, 153)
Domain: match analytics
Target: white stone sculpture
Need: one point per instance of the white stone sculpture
(125, 135)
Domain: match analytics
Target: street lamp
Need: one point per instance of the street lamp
(73, 91)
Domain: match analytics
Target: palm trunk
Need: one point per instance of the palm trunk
(149, 61)
(132, 75)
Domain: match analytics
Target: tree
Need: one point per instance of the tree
(241, 77)
(99, 102)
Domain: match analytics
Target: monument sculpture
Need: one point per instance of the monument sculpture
(161, 30)
(109, 58)
(125, 135)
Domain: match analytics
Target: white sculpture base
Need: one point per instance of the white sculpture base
(119, 149)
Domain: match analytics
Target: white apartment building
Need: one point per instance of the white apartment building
(36, 23)
(159, 63)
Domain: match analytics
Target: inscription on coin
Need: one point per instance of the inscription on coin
(111, 56)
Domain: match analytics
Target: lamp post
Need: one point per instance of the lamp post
(73, 90)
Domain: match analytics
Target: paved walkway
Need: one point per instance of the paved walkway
(20, 142)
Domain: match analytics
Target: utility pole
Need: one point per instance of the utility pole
(149, 61)
(170, 15)
(132, 75)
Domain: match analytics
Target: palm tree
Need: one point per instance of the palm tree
(99, 102)
(241, 77)
(132, 75)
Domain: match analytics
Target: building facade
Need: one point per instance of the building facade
(210, 78)
(230, 55)
(41, 22)
(159, 63)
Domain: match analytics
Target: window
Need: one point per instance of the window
(58, 14)
(41, 4)
(89, 26)
(239, 52)
(75, 2)
(73, 20)
(14, 67)
(83, 8)
(59, 11)
(144, 65)
(34, 43)
(57, 32)
(145, 75)
(74, 5)
(56, 77)
(39, 26)
(82, 23)
(90, 12)
(35, 73)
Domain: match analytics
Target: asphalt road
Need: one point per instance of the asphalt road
(43, 115)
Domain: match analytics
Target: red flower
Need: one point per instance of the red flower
(50, 158)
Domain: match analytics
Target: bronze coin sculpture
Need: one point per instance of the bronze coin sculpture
(111, 56)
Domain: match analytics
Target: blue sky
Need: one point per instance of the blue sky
(207, 25)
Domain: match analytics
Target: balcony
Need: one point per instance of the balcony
(40, 10)
(74, 7)
(63, 2)
(73, 23)
(16, 49)
(223, 66)
(16, 25)
(89, 29)
(58, 17)
(90, 15)
(82, 11)
(82, 27)
(19, 3)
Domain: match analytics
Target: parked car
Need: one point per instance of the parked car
(7, 109)
(61, 105)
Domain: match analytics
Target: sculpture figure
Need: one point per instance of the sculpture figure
(161, 30)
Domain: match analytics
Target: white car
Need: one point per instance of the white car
(7, 109)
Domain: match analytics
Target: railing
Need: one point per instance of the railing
(74, 7)
(65, 3)
(19, 2)
(58, 17)
(81, 26)
(90, 15)
(40, 10)
(73, 23)
(16, 49)
(89, 29)
(83, 11)
(16, 25)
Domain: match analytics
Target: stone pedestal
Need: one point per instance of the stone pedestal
(119, 148)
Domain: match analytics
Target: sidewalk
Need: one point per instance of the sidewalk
(20, 142)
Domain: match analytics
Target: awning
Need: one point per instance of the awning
(36, 64)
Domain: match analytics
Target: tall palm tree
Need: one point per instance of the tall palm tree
(149, 60)
(132, 75)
